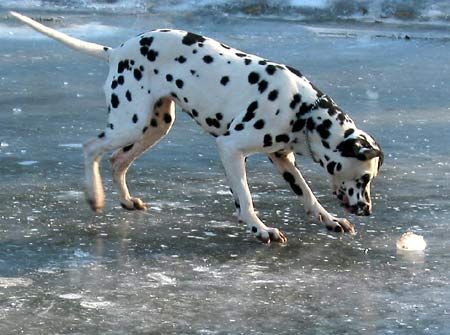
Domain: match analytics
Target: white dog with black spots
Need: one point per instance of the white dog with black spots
(251, 105)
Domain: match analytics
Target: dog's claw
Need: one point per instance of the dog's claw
(133, 204)
(341, 226)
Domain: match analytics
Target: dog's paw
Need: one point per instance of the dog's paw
(269, 235)
(133, 204)
(340, 226)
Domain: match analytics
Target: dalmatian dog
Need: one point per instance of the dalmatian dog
(250, 104)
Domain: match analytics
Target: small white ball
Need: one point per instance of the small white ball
(411, 242)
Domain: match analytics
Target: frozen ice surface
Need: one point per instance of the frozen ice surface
(186, 266)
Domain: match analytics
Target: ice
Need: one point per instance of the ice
(17, 111)
(71, 296)
(96, 304)
(187, 265)
(27, 163)
(6, 282)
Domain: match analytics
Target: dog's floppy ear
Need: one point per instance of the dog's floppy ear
(359, 148)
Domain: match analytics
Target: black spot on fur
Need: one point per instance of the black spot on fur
(295, 71)
(101, 135)
(262, 62)
(128, 147)
(282, 138)
(240, 54)
(250, 111)
(114, 101)
(330, 167)
(254, 229)
(212, 122)
(324, 129)
(253, 78)
(219, 116)
(122, 66)
(154, 123)
(225, 46)
(135, 118)
(179, 83)
(208, 59)
(247, 61)
(146, 41)
(262, 86)
(259, 124)
(137, 74)
(273, 95)
(296, 99)
(270, 69)
(144, 129)
(304, 109)
(239, 127)
(114, 84)
(128, 95)
(298, 125)
(121, 80)
(181, 59)
(224, 80)
(151, 55)
(267, 140)
(348, 132)
(167, 118)
(310, 124)
(169, 77)
(289, 177)
(195, 113)
(191, 38)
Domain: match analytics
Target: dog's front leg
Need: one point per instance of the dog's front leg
(286, 166)
(234, 163)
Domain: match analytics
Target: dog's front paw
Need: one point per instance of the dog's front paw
(340, 225)
(132, 204)
(268, 235)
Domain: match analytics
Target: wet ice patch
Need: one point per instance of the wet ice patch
(6, 282)
(70, 145)
(70, 296)
(27, 163)
(161, 279)
(96, 304)
(372, 95)
(70, 195)
(17, 111)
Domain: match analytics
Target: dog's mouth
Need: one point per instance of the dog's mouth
(345, 202)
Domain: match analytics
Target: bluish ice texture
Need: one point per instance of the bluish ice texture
(186, 266)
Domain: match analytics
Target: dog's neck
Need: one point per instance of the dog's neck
(326, 127)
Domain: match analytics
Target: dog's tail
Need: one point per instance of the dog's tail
(89, 48)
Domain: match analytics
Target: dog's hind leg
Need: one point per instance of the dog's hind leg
(159, 125)
(285, 163)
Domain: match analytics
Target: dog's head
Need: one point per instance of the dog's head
(358, 162)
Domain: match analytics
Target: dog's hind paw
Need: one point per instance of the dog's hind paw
(133, 204)
(341, 226)
(95, 205)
